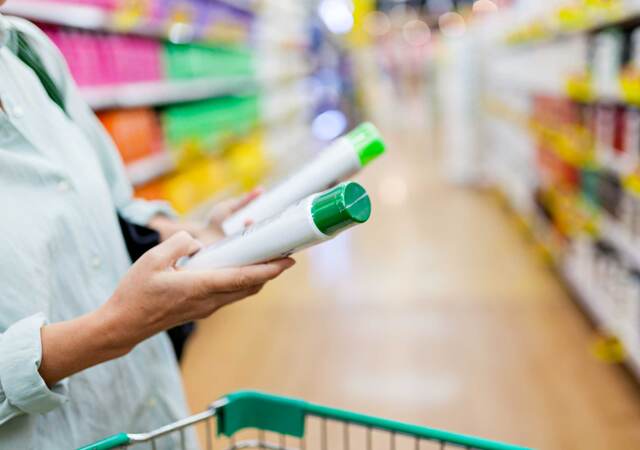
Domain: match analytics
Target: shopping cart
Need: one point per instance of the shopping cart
(280, 423)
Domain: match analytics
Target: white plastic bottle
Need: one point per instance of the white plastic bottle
(315, 219)
(340, 160)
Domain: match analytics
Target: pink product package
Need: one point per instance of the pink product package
(104, 4)
(99, 59)
(136, 59)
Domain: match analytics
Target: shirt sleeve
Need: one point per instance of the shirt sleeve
(22, 389)
(134, 210)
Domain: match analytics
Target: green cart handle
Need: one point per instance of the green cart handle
(250, 409)
(115, 441)
(283, 415)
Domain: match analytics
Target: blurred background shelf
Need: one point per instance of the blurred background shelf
(149, 168)
(165, 92)
(622, 240)
(87, 16)
(592, 300)
(573, 20)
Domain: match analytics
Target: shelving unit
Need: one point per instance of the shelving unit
(164, 92)
(149, 168)
(279, 63)
(591, 299)
(621, 239)
(542, 145)
(89, 17)
(555, 26)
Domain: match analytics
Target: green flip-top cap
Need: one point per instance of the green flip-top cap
(367, 141)
(341, 207)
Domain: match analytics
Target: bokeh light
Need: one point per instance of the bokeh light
(337, 15)
(484, 7)
(452, 24)
(329, 125)
(416, 32)
(393, 190)
(377, 23)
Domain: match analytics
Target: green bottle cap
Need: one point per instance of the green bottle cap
(343, 206)
(367, 142)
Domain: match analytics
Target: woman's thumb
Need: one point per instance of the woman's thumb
(168, 252)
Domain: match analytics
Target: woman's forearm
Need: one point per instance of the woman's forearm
(75, 345)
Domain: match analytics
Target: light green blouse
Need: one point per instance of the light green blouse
(62, 255)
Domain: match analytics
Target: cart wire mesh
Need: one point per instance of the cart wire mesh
(254, 420)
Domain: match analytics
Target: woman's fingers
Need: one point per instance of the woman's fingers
(238, 279)
(208, 306)
(168, 252)
(244, 201)
(231, 297)
(226, 208)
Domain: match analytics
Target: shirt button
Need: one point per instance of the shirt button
(64, 186)
(96, 262)
(17, 111)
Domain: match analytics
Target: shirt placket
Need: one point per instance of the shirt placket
(11, 115)
(7, 131)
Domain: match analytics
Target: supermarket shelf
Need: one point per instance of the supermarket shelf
(593, 301)
(163, 92)
(149, 168)
(622, 240)
(94, 18)
(287, 108)
(78, 16)
(589, 297)
(246, 5)
(553, 31)
(166, 92)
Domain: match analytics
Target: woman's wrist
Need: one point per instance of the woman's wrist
(114, 336)
(75, 345)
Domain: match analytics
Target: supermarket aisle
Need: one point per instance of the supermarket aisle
(436, 312)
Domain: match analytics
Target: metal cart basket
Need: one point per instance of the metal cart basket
(255, 420)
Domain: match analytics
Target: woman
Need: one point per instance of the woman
(82, 353)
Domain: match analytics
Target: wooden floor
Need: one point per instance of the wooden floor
(436, 312)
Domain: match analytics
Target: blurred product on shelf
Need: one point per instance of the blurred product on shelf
(176, 20)
(242, 166)
(200, 128)
(211, 20)
(311, 221)
(106, 4)
(566, 19)
(201, 60)
(136, 132)
(98, 59)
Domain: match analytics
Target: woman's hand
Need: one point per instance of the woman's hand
(152, 297)
(223, 210)
(211, 231)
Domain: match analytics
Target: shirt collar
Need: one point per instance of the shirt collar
(4, 31)
(7, 35)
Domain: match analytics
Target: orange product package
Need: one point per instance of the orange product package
(136, 132)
